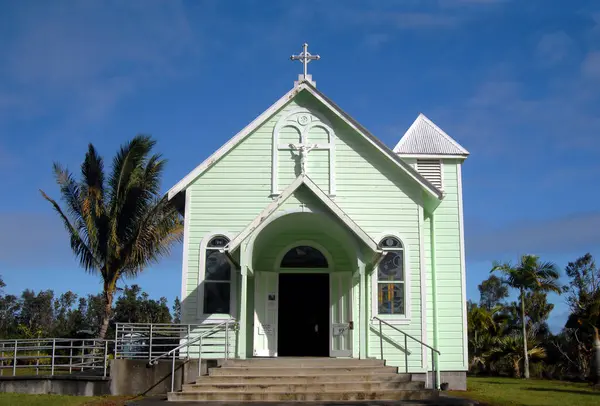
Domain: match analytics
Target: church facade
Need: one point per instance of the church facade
(322, 241)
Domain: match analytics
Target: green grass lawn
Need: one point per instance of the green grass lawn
(17, 399)
(513, 392)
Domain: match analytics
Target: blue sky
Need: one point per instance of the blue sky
(516, 82)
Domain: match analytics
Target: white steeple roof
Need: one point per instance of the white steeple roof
(425, 138)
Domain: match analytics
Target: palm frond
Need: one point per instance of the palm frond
(78, 245)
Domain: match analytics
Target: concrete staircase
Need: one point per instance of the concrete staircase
(304, 379)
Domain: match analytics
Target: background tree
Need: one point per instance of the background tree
(583, 297)
(43, 314)
(9, 310)
(118, 226)
(492, 292)
(176, 310)
(528, 275)
(135, 306)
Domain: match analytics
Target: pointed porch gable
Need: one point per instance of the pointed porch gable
(274, 206)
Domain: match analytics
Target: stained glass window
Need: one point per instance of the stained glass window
(217, 277)
(390, 278)
(304, 257)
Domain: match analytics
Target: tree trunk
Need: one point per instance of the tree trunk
(108, 299)
(516, 367)
(524, 322)
(596, 364)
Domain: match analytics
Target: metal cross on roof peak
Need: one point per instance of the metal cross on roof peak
(305, 57)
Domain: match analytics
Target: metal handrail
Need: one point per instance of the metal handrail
(406, 336)
(188, 343)
(148, 340)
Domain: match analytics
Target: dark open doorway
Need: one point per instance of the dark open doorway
(303, 315)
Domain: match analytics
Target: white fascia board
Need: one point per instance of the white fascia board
(322, 196)
(430, 189)
(229, 145)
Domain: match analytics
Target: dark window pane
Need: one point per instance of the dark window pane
(390, 242)
(390, 298)
(217, 267)
(304, 257)
(218, 242)
(392, 267)
(216, 297)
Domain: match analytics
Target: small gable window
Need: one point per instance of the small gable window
(431, 169)
(391, 286)
(217, 277)
(304, 257)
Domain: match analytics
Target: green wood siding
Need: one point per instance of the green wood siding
(370, 189)
(448, 274)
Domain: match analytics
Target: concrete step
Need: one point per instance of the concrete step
(302, 396)
(348, 386)
(295, 371)
(303, 379)
(302, 362)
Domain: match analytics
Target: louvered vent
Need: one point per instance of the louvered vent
(431, 169)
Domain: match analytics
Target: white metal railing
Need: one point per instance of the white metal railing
(406, 352)
(146, 341)
(54, 356)
(225, 326)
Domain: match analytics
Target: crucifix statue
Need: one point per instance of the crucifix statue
(305, 57)
(303, 150)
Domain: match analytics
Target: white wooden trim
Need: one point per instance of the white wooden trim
(431, 156)
(211, 160)
(341, 275)
(275, 204)
(341, 214)
(218, 154)
(265, 214)
(303, 131)
(412, 174)
(394, 319)
(463, 267)
(423, 274)
(186, 248)
(309, 243)
(200, 315)
(442, 177)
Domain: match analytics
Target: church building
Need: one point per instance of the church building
(322, 241)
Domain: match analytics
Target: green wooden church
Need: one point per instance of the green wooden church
(321, 241)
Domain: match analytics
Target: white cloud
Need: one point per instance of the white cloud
(591, 65)
(554, 47)
(577, 233)
(89, 55)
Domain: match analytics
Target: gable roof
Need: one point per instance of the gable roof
(423, 137)
(301, 86)
(287, 192)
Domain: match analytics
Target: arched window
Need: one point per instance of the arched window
(304, 256)
(217, 277)
(391, 282)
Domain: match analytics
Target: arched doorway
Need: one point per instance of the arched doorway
(303, 319)
(323, 255)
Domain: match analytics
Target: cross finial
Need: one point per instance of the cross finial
(305, 57)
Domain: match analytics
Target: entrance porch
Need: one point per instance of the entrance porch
(302, 279)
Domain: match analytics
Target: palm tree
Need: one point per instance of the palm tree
(511, 347)
(117, 227)
(484, 326)
(529, 275)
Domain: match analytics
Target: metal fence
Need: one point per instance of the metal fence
(55, 356)
(150, 340)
